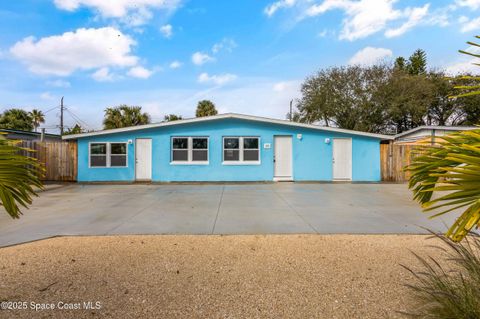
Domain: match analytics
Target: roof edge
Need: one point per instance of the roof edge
(229, 115)
(433, 127)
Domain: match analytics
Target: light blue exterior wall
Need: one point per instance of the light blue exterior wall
(312, 157)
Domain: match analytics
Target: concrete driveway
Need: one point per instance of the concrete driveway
(219, 209)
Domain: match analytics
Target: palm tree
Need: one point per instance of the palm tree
(16, 119)
(37, 118)
(19, 174)
(205, 108)
(453, 171)
(124, 116)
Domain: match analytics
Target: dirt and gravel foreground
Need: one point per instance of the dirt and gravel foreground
(295, 276)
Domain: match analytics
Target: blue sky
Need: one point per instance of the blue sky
(247, 56)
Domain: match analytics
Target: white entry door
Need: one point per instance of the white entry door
(143, 159)
(342, 159)
(283, 158)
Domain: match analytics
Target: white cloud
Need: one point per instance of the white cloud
(226, 44)
(275, 6)
(469, 25)
(83, 49)
(465, 64)
(175, 64)
(103, 75)
(59, 83)
(370, 56)
(414, 15)
(166, 30)
(366, 17)
(472, 4)
(285, 86)
(216, 79)
(463, 67)
(47, 96)
(199, 58)
(134, 13)
(140, 72)
(323, 33)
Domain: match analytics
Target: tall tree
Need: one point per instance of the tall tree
(346, 97)
(469, 110)
(417, 63)
(124, 116)
(16, 119)
(37, 118)
(172, 117)
(406, 100)
(205, 108)
(443, 110)
(400, 64)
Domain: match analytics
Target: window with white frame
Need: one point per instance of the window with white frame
(241, 150)
(188, 149)
(108, 154)
(118, 154)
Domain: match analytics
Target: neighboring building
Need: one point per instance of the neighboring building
(228, 147)
(29, 136)
(428, 134)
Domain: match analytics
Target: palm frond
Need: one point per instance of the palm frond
(19, 175)
(451, 170)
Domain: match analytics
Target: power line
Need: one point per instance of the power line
(77, 118)
(53, 108)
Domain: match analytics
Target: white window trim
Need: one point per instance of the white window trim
(241, 161)
(189, 149)
(108, 154)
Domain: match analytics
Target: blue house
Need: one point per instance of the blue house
(228, 147)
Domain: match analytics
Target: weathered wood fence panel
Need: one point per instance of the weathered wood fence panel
(394, 158)
(59, 158)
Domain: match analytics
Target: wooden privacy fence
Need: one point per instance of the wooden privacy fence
(394, 158)
(59, 158)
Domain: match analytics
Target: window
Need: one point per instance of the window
(118, 154)
(189, 150)
(243, 150)
(199, 149)
(108, 154)
(231, 149)
(250, 149)
(98, 154)
(180, 149)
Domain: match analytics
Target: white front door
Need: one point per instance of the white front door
(342, 159)
(143, 159)
(283, 158)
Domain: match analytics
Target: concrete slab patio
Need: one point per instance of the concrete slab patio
(278, 208)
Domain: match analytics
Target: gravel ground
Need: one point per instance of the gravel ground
(272, 276)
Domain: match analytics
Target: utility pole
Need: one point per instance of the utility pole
(61, 116)
(291, 110)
